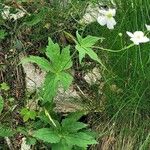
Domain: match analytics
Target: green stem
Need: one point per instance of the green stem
(114, 51)
(50, 118)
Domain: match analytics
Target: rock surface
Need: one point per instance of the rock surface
(93, 76)
(34, 77)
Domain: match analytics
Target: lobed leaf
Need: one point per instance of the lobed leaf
(65, 58)
(52, 50)
(92, 54)
(42, 62)
(60, 61)
(79, 38)
(28, 114)
(80, 139)
(5, 131)
(50, 87)
(89, 41)
(65, 79)
(47, 135)
(81, 52)
(84, 47)
(71, 125)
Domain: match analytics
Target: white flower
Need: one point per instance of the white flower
(147, 27)
(138, 37)
(106, 17)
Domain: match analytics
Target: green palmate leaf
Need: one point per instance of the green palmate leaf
(89, 41)
(47, 135)
(65, 58)
(60, 61)
(84, 47)
(81, 52)
(79, 38)
(52, 50)
(42, 62)
(65, 79)
(88, 51)
(92, 54)
(1, 104)
(80, 139)
(50, 86)
(72, 125)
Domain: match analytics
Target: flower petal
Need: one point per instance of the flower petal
(101, 20)
(130, 34)
(135, 41)
(111, 23)
(144, 39)
(112, 11)
(138, 34)
(102, 11)
(147, 27)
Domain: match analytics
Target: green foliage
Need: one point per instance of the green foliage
(84, 46)
(28, 114)
(2, 34)
(34, 19)
(47, 135)
(4, 86)
(56, 66)
(5, 131)
(42, 62)
(68, 134)
(30, 141)
(60, 60)
(1, 104)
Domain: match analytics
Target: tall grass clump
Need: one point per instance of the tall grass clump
(127, 84)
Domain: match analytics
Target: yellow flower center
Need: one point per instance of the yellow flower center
(109, 15)
(138, 37)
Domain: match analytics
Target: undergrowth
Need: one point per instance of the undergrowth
(119, 114)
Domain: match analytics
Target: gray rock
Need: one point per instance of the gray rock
(93, 76)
